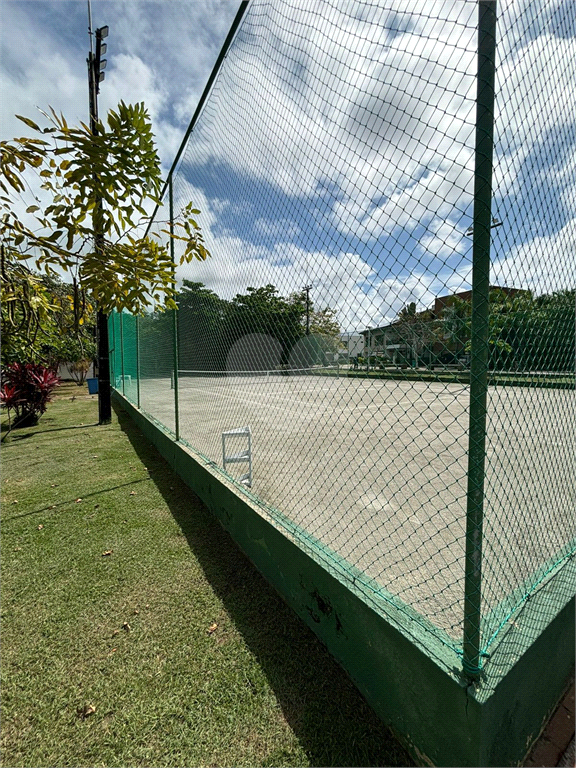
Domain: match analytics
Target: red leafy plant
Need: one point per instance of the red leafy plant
(27, 389)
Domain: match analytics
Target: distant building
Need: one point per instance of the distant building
(354, 343)
(446, 301)
(386, 341)
(409, 343)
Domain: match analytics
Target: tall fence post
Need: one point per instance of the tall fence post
(479, 335)
(112, 347)
(138, 360)
(174, 315)
(122, 353)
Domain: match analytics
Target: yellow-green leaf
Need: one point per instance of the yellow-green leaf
(29, 123)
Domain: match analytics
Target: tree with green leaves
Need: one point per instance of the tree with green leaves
(43, 324)
(454, 326)
(26, 309)
(525, 333)
(201, 334)
(263, 311)
(83, 183)
(416, 330)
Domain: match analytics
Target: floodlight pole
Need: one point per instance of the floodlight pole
(479, 337)
(95, 66)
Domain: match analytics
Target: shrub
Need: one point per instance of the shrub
(79, 370)
(27, 389)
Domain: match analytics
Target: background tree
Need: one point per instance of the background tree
(209, 327)
(201, 334)
(525, 333)
(532, 334)
(556, 340)
(417, 330)
(454, 326)
(45, 320)
(26, 309)
(264, 311)
(73, 319)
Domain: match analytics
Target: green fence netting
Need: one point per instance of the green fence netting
(386, 324)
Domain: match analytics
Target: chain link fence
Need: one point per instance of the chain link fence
(380, 350)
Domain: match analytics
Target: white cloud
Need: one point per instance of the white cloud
(543, 264)
(374, 103)
(36, 72)
(393, 120)
(341, 280)
(536, 98)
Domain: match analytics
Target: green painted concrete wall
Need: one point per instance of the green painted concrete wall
(411, 678)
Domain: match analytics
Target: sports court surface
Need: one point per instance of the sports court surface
(377, 471)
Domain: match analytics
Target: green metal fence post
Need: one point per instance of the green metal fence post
(479, 334)
(122, 352)
(174, 316)
(138, 360)
(112, 347)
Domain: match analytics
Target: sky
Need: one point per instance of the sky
(336, 148)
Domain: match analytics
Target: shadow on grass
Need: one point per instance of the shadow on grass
(54, 507)
(61, 429)
(15, 436)
(333, 723)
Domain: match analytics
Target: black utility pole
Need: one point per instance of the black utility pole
(96, 65)
(307, 288)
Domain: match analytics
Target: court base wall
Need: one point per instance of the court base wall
(411, 679)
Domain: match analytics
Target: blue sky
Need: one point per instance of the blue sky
(336, 148)
(158, 52)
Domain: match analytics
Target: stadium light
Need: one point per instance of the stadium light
(98, 63)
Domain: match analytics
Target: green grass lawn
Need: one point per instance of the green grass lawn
(121, 593)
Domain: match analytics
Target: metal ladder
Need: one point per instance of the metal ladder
(243, 456)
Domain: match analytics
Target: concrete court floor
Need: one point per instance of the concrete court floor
(377, 471)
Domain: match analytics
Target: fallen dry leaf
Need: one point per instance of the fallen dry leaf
(132, 493)
(86, 711)
(108, 552)
(112, 651)
(212, 628)
(40, 527)
(17, 549)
